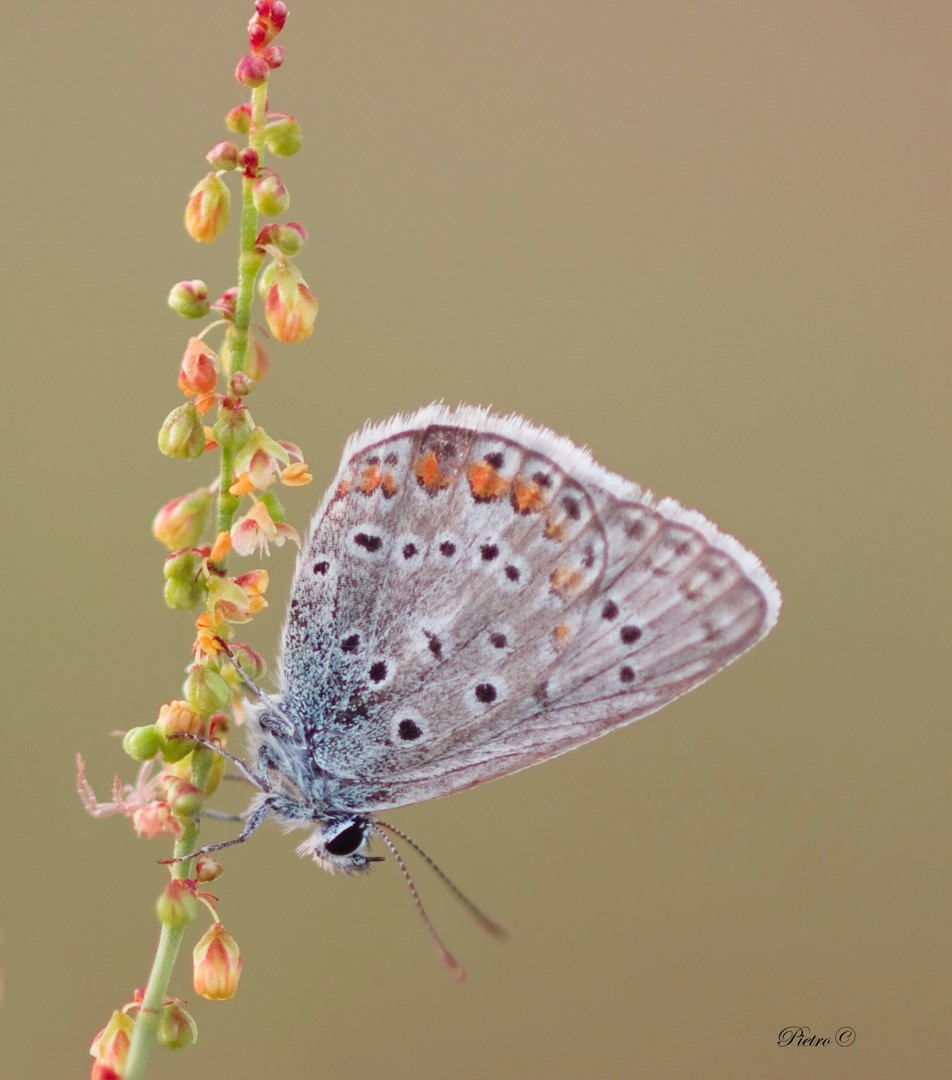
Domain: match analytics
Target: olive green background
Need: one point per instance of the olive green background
(711, 241)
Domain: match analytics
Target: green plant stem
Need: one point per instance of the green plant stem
(170, 940)
(249, 260)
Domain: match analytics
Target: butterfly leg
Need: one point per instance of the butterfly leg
(252, 822)
(253, 778)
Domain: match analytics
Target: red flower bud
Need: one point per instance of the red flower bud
(252, 71)
(273, 56)
(248, 161)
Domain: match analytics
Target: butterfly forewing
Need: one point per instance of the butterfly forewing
(476, 595)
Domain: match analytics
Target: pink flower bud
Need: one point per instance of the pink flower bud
(290, 307)
(270, 195)
(199, 371)
(282, 135)
(267, 22)
(189, 299)
(273, 56)
(182, 434)
(241, 384)
(225, 304)
(182, 521)
(238, 119)
(288, 238)
(252, 71)
(223, 155)
(217, 964)
(206, 212)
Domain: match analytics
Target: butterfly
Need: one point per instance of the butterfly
(476, 595)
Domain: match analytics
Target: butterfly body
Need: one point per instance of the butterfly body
(476, 595)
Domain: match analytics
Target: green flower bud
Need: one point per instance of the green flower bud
(141, 743)
(182, 435)
(189, 299)
(183, 595)
(282, 135)
(206, 691)
(177, 1029)
(270, 195)
(233, 427)
(176, 906)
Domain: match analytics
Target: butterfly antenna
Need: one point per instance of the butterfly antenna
(488, 924)
(448, 958)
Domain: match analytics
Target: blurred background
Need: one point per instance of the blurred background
(709, 241)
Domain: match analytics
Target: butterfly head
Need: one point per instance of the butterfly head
(340, 846)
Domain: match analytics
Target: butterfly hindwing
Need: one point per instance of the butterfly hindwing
(477, 595)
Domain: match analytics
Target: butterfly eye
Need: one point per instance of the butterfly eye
(347, 841)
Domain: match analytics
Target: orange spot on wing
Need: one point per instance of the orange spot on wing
(369, 480)
(342, 488)
(565, 579)
(554, 530)
(485, 481)
(562, 632)
(527, 497)
(388, 485)
(429, 474)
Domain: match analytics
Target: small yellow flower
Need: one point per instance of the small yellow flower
(296, 475)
